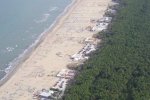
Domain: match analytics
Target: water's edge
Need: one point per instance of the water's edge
(14, 65)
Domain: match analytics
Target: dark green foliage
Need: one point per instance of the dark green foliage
(120, 70)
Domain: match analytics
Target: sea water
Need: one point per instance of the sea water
(21, 24)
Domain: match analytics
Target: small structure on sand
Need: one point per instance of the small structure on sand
(105, 20)
(46, 95)
(110, 12)
(58, 89)
(100, 26)
(82, 54)
(67, 74)
(90, 40)
(78, 56)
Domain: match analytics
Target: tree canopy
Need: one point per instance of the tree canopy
(120, 70)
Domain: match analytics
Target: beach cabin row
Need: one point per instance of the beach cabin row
(67, 74)
(83, 54)
(58, 89)
(102, 24)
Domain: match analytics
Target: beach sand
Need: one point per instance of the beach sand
(53, 54)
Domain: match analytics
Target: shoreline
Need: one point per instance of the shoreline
(59, 39)
(27, 52)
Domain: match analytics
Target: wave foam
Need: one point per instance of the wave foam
(44, 18)
(53, 9)
(22, 57)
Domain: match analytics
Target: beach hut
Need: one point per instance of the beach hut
(100, 27)
(46, 95)
(90, 40)
(110, 12)
(68, 74)
(78, 56)
(104, 19)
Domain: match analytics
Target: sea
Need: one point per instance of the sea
(22, 25)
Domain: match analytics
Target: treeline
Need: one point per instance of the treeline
(120, 70)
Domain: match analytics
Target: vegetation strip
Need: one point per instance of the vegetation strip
(120, 70)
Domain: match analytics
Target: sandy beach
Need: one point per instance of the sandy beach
(53, 54)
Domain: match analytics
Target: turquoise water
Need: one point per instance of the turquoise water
(21, 23)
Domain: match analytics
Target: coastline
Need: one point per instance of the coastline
(50, 34)
(27, 52)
